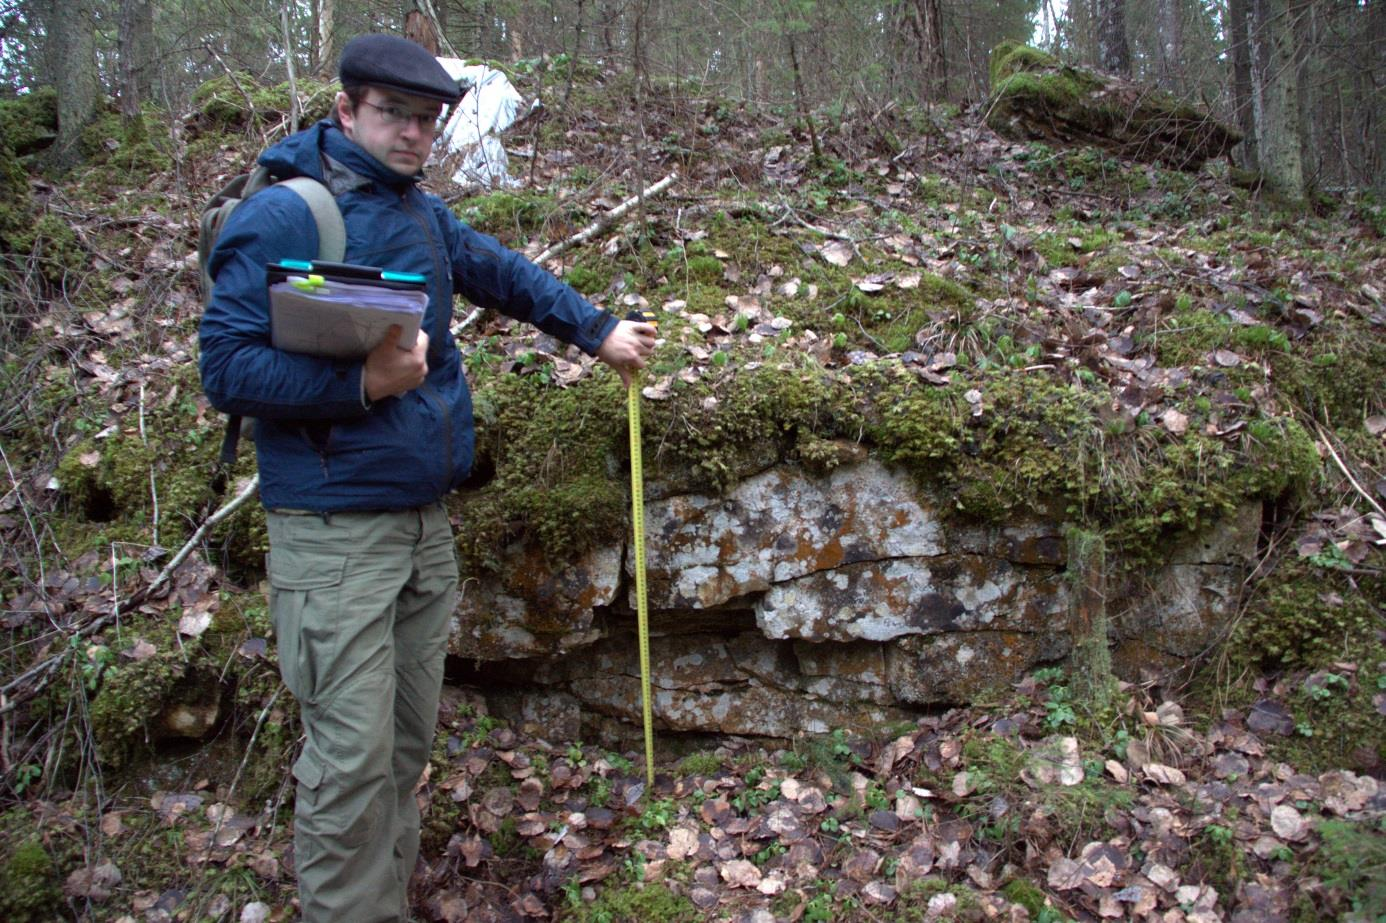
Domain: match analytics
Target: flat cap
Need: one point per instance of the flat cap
(398, 64)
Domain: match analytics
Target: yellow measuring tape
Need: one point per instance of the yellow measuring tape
(637, 519)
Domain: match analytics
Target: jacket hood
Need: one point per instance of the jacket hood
(301, 155)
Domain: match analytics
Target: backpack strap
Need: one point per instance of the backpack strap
(326, 214)
(331, 249)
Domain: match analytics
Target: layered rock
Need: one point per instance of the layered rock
(804, 603)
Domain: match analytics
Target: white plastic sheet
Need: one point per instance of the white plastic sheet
(490, 106)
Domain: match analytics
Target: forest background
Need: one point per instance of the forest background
(1304, 80)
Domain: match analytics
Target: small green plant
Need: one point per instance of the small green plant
(657, 816)
(1058, 708)
(25, 776)
(1218, 834)
(1325, 689)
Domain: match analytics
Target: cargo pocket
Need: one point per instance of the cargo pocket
(331, 817)
(305, 597)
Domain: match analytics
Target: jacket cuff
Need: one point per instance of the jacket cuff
(593, 333)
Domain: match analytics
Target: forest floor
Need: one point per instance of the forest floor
(1245, 788)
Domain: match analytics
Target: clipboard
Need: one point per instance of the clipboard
(341, 310)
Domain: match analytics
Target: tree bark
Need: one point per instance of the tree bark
(419, 30)
(1170, 28)
(927, 24)
(134, 40)
(1113, 52)
(1280, 126)
(79, 89)
(327, 48)
(1243, 113)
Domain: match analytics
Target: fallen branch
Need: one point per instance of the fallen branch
(1328, 444)
(581, 237)
(42, 673)
(240, 499)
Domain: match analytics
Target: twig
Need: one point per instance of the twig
(42, 672)
(236, 503)
(231, 75)
(1346, 473)
(240, 770)
(28, 521)
(153, 485)
(596, 227)
(294, 106)
(586, 234)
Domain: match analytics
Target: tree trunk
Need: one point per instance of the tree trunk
(804, 115)
(327, 47)
(418, 29)
(134, 39)
(1170, 29)
(1113, 52)
(1239, 38)
(928, 26)
(1280, 126)
(79, 89)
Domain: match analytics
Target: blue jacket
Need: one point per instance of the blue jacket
(318, 445)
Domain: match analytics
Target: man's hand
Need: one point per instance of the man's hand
(390, 370)
(627, 347)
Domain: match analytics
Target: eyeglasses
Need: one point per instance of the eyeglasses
(396, 116)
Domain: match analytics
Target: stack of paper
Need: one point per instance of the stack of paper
(341, 319)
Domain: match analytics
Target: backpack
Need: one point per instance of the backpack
(215, 214)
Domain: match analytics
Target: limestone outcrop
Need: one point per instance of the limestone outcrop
(800, 602)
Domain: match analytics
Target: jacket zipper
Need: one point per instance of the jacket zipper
(440, 313)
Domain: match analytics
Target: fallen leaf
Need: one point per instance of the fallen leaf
(1163, 775)
(255, 912)
(683, 842)
(1174, 421)
(740, 873)
(1288, 823)
(837, 252)
(93, 882)
(194, 624)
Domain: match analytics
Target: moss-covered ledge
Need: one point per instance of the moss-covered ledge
(552, 462)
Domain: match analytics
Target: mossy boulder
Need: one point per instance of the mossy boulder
(29, 123)
(1035, 96)
(224, 102)
(30, 880)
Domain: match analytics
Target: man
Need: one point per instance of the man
(355, 456)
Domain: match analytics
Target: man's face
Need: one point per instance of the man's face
(394, 128)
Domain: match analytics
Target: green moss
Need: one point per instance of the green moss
(130, 698)
(893, 319)
(514, 217)
(553, 453)
(116, 149)
(701, 763)
(1352, 864)
(1307, 613)
(586, 279)
(1057, 249)
(648, 901)
(29, 123)
(30, 884)
(1011, 57)
(50, 242)
(221, 102)
(1027, 894)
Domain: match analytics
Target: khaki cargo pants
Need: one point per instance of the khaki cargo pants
(361, 605)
